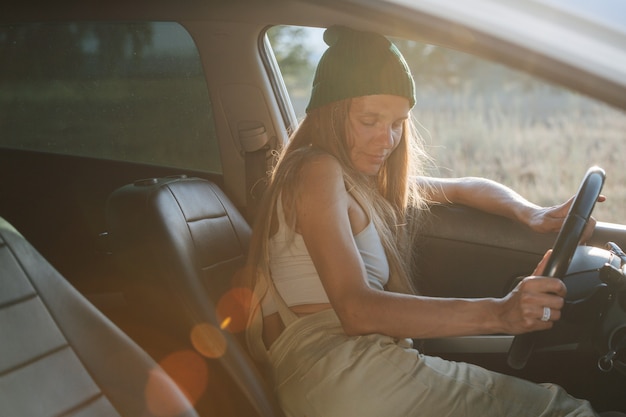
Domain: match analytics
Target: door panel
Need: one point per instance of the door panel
(463, 252)
(467, 253)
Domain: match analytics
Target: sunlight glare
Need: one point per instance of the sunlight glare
(208, 340)
(233, 308)
(161, 401)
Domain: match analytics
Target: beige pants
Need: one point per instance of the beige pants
(321, 372)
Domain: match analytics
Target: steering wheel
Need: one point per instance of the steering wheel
(562, 252)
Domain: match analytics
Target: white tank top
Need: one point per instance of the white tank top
(295, 276)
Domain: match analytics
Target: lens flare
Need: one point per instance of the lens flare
(161, 399)
(233, 308)
(208, 340)
(190, 372)
(225, 323)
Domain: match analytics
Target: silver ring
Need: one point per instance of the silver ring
(546, 314)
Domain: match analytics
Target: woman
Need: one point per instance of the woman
(330, 256)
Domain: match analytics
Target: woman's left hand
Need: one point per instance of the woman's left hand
(550, 219)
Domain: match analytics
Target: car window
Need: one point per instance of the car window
(122, 91)
(479, 118)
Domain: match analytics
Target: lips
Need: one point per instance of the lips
(377, 159)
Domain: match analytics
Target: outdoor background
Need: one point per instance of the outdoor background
(136, 92)
(482, 119)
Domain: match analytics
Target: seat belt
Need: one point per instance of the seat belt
(255, 144)
(256, 180)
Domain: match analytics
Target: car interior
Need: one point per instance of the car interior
(69, 355)
(121, 234)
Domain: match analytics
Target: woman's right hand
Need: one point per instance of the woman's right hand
(525, 306)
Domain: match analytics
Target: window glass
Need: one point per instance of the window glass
(122, 91)
(478, 118)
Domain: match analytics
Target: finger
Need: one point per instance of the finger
(553, 301)
(555, 216)
(591, 224)
(561, 211)
(588, 231)
(541, 289)
(556, 288)
(536, 301)
(548, 314)
(554, 221)
(541, 266)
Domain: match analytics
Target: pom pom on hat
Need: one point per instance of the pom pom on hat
(357, 64)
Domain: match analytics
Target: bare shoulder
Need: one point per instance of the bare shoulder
(320, 188)
(323, 200)
(321, 170)
(321, 162)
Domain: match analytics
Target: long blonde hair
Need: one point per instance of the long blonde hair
(392, 205)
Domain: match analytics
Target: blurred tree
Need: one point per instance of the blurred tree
(438, 67)
(58, 51)
(39, 50)
(116, 43)
(435, 66)
(293, 54)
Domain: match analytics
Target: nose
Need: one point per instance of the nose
(386, 137)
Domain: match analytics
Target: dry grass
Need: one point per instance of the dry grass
(538, 144)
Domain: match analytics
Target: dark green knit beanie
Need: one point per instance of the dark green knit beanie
(359, 64)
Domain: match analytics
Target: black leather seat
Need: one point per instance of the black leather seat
(59, 356)
(179, 241)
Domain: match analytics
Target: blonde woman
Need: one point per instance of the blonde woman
(330, 256)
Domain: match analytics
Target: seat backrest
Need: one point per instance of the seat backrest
(180, 241)
(176, 234)
(60, 356)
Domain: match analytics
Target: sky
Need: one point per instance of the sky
(610, 11)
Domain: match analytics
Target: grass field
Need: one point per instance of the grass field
(539, 143)
(158, 121)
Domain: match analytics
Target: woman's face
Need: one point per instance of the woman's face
(375, 125)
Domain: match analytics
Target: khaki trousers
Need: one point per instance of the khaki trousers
(321, 372)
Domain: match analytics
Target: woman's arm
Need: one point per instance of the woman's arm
(324, 211)
(483, 194)
(493, 197)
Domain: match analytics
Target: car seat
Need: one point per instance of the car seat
(179, 241)
(60, 356)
